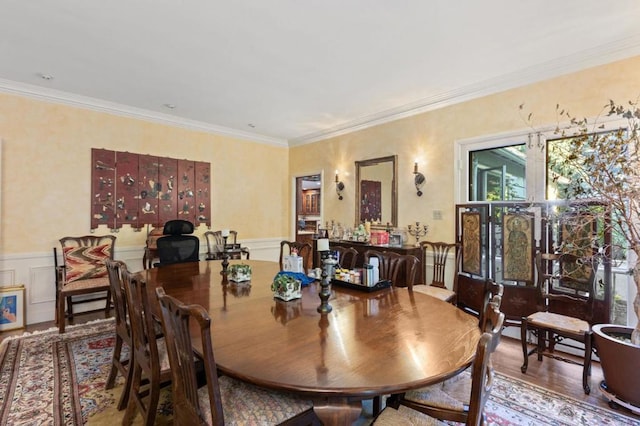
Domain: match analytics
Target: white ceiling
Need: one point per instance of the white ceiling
(293, 71)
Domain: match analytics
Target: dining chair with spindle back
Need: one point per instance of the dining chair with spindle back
(437, 253)
(347, 256)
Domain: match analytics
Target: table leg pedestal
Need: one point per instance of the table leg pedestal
(337, 411)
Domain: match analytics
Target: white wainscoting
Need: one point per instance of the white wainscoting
(37, 272)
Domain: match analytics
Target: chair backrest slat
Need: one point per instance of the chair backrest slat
(439, 255)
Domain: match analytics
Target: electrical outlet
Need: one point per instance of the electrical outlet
(437, 215)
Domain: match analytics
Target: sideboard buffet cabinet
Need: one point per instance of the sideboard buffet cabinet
(363, 247)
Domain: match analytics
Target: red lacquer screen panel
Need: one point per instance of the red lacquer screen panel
(186, 190)
(203, 196)
(103, 189)
(139, 189)
(127, 195)
(167, 189)
(148, 189)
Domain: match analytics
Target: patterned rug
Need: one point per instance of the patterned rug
(52, 379)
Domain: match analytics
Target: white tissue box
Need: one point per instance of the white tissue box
(293, 264)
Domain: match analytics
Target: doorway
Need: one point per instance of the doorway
(308, 207)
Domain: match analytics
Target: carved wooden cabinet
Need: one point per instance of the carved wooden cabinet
(311, 202)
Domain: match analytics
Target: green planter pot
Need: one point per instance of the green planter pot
(620, 363)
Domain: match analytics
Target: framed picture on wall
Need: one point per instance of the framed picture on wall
(12, 308)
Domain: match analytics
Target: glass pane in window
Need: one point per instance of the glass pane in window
(564, 164)
(498, 174)
(565, 173)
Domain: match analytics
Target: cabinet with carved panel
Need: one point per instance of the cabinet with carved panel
(311, 202)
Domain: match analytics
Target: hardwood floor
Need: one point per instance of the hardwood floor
(558, 376)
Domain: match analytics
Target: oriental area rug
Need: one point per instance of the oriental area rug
(52, 379)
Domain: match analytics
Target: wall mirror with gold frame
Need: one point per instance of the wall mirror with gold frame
(376, 191)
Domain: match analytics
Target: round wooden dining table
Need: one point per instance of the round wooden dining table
(371, 343)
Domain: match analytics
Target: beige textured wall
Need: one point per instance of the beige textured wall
(430, 137)
(46, 173)
(46, 159)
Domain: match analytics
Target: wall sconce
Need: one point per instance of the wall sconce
(418, 179)
(339, 186)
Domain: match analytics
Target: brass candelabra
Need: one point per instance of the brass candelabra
(328, 269)
(418, 231)
(225, 257)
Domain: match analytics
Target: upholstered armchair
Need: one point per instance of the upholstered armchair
(82, 272)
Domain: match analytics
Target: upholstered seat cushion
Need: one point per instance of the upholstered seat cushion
(404, 416)
(558, 322)
(245, 404)
(91, 283)
(452, 394)
(437, 292)
(86, 262)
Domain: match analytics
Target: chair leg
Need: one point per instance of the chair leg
(126, 391)
(107, 308)
(152, 406)
(525, 350)
(543, 336)
(134, 392)
(115, 360)
(586, 371)
(70, 308)
(376, 405)
(60, 314)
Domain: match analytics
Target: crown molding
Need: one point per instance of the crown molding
(578, 61)
(84, 102)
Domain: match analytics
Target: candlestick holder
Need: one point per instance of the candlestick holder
(329, 265)
(418, 231)
(225, 256)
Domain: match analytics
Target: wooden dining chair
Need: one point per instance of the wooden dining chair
(566, 289)
(347, 256)
(481, 384)
(83, 272)
(150, 366)
(305, 250)
(215, 245)
(392, 264)
(462, 397)
(436, 254)
(116, 269)
(223, 400)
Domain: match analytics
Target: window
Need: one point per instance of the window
(497, 174)
(528, 170)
